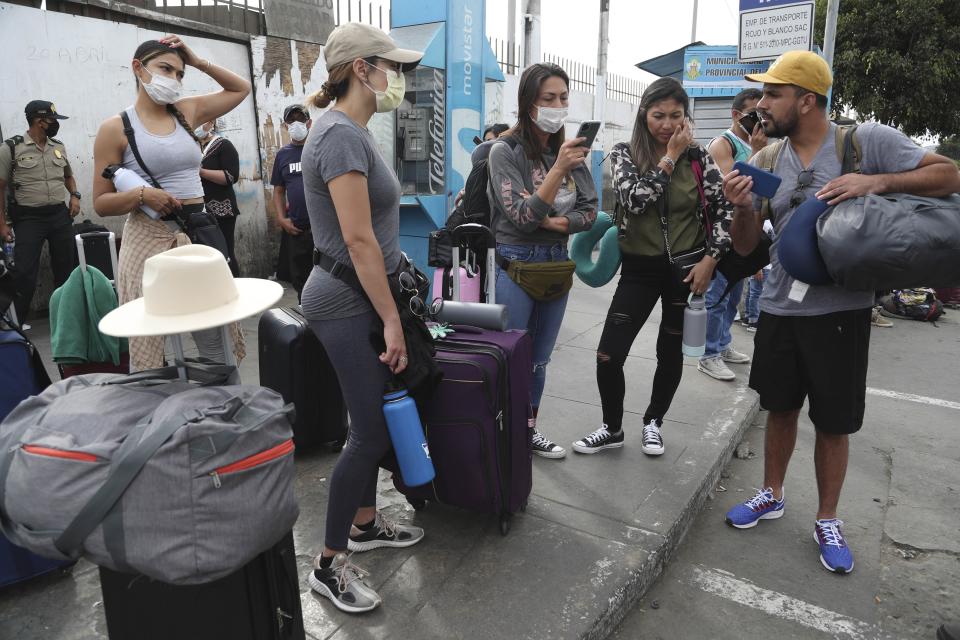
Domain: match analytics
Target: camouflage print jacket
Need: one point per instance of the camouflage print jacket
(637, 195)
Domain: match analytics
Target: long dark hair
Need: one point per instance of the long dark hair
(530, 82)
(150, 50)
(643, 150)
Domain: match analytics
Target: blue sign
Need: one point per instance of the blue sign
(717, 72)
(750, 5)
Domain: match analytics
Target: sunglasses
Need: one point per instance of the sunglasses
(411, 284)
(296, 117)
(803, 181)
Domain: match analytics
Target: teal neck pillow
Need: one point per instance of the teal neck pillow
(599, 273)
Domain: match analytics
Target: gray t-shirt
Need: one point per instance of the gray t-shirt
(338, 145)
(885, 150)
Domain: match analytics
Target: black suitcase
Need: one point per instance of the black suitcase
(294, 364)
(95, 245)
(260, 601)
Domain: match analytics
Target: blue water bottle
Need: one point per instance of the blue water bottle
(406, 432)
(8, 248)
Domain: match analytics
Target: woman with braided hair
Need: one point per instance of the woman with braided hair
(163, 126)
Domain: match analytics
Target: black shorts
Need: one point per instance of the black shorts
(823, 357)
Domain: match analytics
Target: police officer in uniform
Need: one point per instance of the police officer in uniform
(35, 178)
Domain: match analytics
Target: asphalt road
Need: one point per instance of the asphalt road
(901, 506)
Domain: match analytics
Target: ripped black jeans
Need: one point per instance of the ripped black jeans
(643, 280)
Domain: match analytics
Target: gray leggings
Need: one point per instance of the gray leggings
(362, 378)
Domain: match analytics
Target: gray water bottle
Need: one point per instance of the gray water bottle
(695, 327)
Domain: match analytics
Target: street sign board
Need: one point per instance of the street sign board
(712, 72)
(772, 30)
(750, 5)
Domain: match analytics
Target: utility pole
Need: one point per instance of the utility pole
(600, 96)
(693, 28)
(531, 32)
(830, 31)
(511, 31)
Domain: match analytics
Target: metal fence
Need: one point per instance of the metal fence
(583, 77)
(353, 11)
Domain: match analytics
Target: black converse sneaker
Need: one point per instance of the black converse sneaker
(599, 440)
(383, 533)
(543, 446)
(652, 440)
(342, 582)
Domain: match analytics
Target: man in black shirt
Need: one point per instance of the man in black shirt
(288, 200)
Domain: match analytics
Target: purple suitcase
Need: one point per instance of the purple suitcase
(477, 424)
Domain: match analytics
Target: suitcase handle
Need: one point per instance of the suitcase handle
(466, 328)
(473, 229)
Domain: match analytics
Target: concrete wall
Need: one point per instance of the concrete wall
(83, 66)
(285, 72)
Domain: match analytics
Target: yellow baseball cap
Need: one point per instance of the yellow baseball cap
(802, 68)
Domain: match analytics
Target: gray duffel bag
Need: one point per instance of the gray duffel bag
(892, 241)
(184, 482)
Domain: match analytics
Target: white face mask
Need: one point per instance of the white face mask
(551, 119)
(298, 131)
(161, 89)
(389, 99)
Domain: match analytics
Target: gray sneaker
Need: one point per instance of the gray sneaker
(385, 533)
(716, 368)
(734, 357)
(342, 582)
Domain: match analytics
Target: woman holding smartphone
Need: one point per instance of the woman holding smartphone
(540, 192)
(163, 123)
(662, 227)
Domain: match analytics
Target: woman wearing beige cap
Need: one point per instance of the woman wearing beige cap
(353, 199)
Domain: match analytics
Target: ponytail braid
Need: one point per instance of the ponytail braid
(182, 119)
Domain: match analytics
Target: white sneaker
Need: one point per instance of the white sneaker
(715, 368)
(734, 357)
(652, 440)
(342, 582)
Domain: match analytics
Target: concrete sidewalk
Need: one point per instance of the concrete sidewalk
(595, 536)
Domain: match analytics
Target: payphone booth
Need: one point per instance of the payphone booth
(442, 110)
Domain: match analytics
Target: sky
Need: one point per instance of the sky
(639, 29)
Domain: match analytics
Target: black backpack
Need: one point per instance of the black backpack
(473, 206)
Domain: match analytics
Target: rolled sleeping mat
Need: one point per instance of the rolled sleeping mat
(798, 249)
(599, 273)
(474, 314)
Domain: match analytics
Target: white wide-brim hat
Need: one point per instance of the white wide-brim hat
(189, 288)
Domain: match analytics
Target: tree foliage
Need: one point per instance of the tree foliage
(898, 61)
(950, 147)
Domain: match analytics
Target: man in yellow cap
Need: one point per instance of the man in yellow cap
(812, 341)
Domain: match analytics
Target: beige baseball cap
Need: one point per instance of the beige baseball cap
(354, 40)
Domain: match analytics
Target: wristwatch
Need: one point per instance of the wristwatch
(75, 194)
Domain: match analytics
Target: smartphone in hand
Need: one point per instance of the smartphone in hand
(765, 184)
(588, 129)
(749, 122)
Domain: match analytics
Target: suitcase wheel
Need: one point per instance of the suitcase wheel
(418, 505)
(523, 507)
(504, 524)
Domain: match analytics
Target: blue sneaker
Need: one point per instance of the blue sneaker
(762, 506)
(834, 552)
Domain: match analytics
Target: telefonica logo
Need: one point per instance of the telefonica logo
(438, 132)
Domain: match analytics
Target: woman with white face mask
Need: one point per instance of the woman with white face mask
(219, 171)
(540, 192)
(353, 201)
(162, 123)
